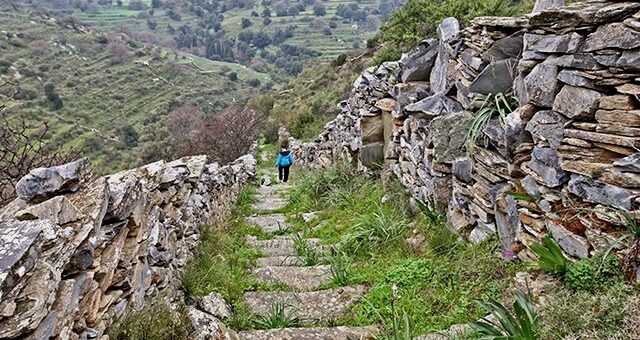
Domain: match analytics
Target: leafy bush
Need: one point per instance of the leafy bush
(522, 326)
(591, 273)
(386, 53)
(550, 256)
(380, 227)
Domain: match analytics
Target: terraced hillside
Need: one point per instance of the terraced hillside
(115, 93)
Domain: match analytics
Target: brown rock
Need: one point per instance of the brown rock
(616, 148)
(631, 142)
(59, 210)
(621, 179)
(627, 118)
(617, 102)
(386, 104)
(576, 102)
(633, 89)
(592, 170)
(618, 130)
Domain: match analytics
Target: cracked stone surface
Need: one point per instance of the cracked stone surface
(272, 261)
(298, 278)
(320, 305)
(333, 333)
(269, 223)
(281, 246)
(269, 204)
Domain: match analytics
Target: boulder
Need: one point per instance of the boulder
(215, 305)
(43, 183)
(596, 191)
(448, 135)
(572, 244)
(435, 105)
(546, 163)
(582, 61)
(543, 5)
(505, 48)
(208, 327)
(448, 29)
(629, 60)
(615, 35)
(496, 77)
(628, 164)
(417, 65)
(577, 102)
(58, 210)
(372, 155)
(462, 169)
(547, 126)
(541, 85)
(552, 43)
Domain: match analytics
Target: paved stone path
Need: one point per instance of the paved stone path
(304, 297)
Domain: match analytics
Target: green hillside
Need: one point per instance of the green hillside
(116, 93)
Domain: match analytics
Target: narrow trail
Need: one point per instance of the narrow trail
(302, 296)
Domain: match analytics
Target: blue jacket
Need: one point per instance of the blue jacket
(285, 158)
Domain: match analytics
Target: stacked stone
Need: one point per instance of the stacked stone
(79, 252)
(578, 86)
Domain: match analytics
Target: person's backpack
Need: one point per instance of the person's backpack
(286, 160)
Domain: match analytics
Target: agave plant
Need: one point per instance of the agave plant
(522, 325)
(550, 255)
(498, 104)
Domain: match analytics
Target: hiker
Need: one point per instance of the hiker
(284, 162)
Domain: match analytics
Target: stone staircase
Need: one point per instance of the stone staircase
(302, 296)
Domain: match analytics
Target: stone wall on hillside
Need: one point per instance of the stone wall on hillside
(570, 146)
(78, 252)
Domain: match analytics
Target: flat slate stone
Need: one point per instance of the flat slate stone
(326, 333)
(281, 246)
(298, 278)
(269, 223)
(279, 261)
(320, 305)
(269, 204)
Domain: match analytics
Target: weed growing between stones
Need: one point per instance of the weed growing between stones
(521, 324)
(278, 317)
(155, 322)
(309, 255)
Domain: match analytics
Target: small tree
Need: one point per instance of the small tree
(233, 76)
(156, 3)
(245, 23)
(319, 10)
(53, 99)
(118, 52)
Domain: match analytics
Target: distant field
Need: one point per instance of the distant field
(101, 98)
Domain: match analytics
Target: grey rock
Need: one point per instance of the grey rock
(582, 61)
(435, 105)
(315, 333)
(448, 29)
(551, 43)
(472, 59)
(507, 220)
(448, 135)
(505, 48)
(577, 102)
(531, 187)
(417, 66)
(548, 126)
(630, 60)
(546, 164)
(482, 232)
(543, 5)
(215, 305)
(596, 191)
(628, 164)
(58, 210)
(208, 327)
(571, 243)
(541, 85)
(576, 78)
(43, 183)
(615, 35)
(515, 135)
(372, 155)
(496, 77)
(462, 169)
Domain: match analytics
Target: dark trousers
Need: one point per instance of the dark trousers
(283, 173)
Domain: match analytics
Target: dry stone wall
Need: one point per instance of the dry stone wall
(571, 146)
(78, 252)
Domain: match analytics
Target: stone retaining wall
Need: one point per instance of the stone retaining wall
(571, 145)
(78, 252)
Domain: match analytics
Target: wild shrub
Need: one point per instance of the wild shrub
(492, 105)
(381, 227)
(278, 317)
(591, 273)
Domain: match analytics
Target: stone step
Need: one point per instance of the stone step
(325, 333)
(269, 223)
(269, 204)
(279, 261)
(323, 305)
(297, 278)
(282, 246)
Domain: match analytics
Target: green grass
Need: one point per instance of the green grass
(157, 321)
